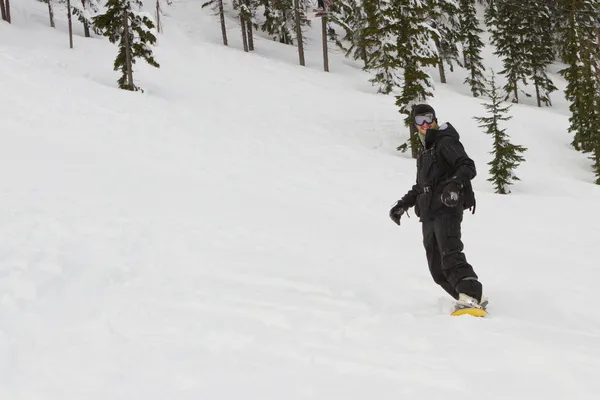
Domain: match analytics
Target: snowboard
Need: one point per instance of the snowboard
(463, 309)
(475, 312)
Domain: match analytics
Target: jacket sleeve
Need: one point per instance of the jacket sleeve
(458, 160)
(410, 198)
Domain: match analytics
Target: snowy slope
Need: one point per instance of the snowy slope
(225, 234)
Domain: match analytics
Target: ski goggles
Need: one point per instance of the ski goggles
(424, 119)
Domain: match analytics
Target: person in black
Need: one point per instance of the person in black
(441, 194)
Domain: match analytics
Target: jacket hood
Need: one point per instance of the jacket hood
(445, 130)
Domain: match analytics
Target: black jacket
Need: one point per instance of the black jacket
(442, 159)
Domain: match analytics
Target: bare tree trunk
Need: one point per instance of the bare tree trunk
(158, 28)
(363, 55)
(325, 52)
(299, 33)
(244, 35)
(442, 71)
(86, 25)
(70, 23)
(8, 19)
(129, 65)
(537, 95)
(223, 27)
(51, 13)
(3, 10)
(249, 26)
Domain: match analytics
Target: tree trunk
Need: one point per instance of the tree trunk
(3, 10)
(414, 140)
(442, 70)
(365, 58)
(250, 36)
(86, 29)
(158, 29)
(325, 52)
(70, 23)
(299, 33)
(475, 94)
(244, 32)
(86, 25)
(537, 94)
(223, 27)
(128, 63)
(51, 13)
(8, 19)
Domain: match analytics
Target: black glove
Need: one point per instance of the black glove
(397, 211)
(451, 194)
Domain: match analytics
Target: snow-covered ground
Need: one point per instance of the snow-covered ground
(225, 235)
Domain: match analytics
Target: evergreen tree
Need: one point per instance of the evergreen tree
(383, 62)
(132, 30)
(507, 32)
(85, 10)
(470, 35)
(582, 56)
(540, 51)
(279, 19)
(353, 19)
(447, 33)
(415, 51)
(506, 155)
(374, 30)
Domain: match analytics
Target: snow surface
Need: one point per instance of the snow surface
(225, 235)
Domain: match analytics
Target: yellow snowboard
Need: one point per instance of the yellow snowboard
(475, 312)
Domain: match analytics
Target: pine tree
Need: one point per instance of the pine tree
(582, 56)
(85, 10)
(415, 51)
(470, 35)
(509, 27)
(540, 50)
(506, 155)
(278, 20)
(352, 16)
(383, 62)
(133, 31)
(445, 21)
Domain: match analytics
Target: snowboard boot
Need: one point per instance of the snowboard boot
(465, 301)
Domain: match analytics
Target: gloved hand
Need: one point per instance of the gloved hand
(451, 194)
(397, 211)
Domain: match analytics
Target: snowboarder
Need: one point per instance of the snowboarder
(441, 194)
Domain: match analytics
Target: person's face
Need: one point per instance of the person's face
(424, 122)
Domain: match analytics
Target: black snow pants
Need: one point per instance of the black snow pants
(447, 262)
